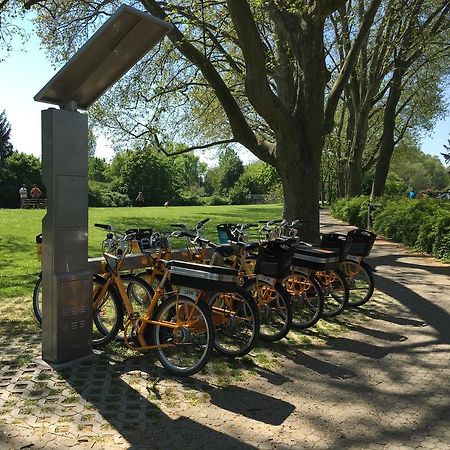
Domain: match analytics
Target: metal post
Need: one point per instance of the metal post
(67, 281)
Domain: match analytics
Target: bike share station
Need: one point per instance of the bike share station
(117, 46)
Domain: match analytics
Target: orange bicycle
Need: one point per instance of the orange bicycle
(176, 324)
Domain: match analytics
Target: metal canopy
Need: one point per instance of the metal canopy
(117, 45)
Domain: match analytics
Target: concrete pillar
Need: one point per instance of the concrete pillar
(67, 282)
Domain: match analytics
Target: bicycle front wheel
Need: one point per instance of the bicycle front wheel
(139, 292)
(275, 309)
(186, 348)
(37, 299)
(307, 299)
(335, 291)
(107, 314)
(360, 282)
(236, 320)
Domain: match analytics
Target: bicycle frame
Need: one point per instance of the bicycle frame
(345, 267)
(140, 323)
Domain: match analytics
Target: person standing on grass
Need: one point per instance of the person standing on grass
(140, 199)
(23, 194)
(35, 195)
(35, 192)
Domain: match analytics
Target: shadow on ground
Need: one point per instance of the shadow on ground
(139, 419)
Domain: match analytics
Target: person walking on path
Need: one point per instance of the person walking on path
(23, 194)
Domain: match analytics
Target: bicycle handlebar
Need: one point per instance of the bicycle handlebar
(178, 225)
(270, 222)
(204, 241)
(104, 226)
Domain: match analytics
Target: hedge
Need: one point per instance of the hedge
(421, 224)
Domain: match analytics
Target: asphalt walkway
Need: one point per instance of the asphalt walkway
(380, 381)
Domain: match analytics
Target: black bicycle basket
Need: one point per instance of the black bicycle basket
(274, 260)
(339, 242)
(203, 277)
(362, 242)
(314, 258)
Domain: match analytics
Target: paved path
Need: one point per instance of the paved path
(382, 382)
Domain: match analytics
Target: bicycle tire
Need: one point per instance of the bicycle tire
(108, 317)
(156, 280)
(195, 341)
(37, 299)
(275, 315)
(139, 292)
(37, 308)
(335, 293)
(307, 299)
(361, 285)
(236, 319)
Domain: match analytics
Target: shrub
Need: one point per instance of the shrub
(215, 200)
(352, 210)
(403, 220)
(187, 199)
(239, 194)
(422, 224)
(102, 195)
(441, 246)
(275, 194)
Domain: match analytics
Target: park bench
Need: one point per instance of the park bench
(34, 203)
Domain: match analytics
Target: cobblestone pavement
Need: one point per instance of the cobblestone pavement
(380, 381)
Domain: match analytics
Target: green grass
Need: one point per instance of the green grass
(18, 263)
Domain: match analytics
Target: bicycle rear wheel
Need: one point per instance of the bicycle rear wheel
(187, 348)
(360, 282)
(307, 299)
(107, 314)
(275, 309)
(236, 320)
(335, 291)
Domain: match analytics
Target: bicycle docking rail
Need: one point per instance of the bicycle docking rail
(135, 260)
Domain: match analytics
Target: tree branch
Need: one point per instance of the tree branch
(241, 130)
(197, 147)
(260, 95)
(329, 6)
(30, 3)
(348, 66)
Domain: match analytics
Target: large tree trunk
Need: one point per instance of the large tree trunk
(387, 139)
(341, 182)
(356, 154)
(299, 175)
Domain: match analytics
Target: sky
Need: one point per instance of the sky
(26, 70)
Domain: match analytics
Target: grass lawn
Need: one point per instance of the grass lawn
(19, 227)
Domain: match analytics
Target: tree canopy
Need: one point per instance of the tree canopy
(276, 77)
(6, 147)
